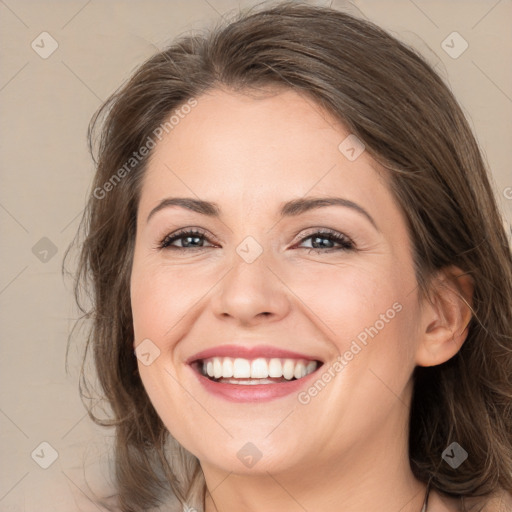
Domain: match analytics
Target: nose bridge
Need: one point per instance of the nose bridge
(250, 288)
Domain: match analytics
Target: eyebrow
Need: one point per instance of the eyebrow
(291, 208)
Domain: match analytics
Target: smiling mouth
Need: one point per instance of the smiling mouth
(241, 371)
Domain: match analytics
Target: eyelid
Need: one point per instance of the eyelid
(344, 241)
(323, 231)
(181, 233)
(336, 236)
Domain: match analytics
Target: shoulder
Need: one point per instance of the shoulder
(500, 501)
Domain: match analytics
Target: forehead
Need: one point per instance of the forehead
(234, 145)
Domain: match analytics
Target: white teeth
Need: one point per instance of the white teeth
(300, 370)
(217, 368)
(275, 368)
(227, 367)
(288, 369)
(241, 368)
(260, 370)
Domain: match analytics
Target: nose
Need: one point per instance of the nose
(251, 293)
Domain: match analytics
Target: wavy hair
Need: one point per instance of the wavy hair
(386, 94)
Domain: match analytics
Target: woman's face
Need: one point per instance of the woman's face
(273, 284)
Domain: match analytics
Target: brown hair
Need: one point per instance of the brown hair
(390, 98)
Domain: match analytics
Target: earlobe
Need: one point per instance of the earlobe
(445, 318)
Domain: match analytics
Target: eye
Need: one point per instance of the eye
(195, 238)
(189, 239)
(324, 241)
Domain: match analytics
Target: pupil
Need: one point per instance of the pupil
(321, 244)
(189, 238)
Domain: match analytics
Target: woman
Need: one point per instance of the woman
(301, 284)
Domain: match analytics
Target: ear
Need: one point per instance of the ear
(445, 318)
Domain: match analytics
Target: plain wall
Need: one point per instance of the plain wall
(46, 173)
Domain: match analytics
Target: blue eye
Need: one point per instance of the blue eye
(190, 240)
(193, 239)
(318, 241)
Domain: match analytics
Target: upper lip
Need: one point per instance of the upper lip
(249, 352)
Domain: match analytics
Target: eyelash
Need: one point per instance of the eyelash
(333, 236)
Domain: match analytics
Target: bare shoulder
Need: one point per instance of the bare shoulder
(499, 502)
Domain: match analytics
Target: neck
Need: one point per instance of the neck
(373, 474)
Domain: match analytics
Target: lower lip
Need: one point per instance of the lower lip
(253, 392)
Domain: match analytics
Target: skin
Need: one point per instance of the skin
(347, 448)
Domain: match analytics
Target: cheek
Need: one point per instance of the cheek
(160, 300)
(342, 300)
(345, 299)
(161, 296)
(367, 312)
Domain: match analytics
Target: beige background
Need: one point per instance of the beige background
(46, 172)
